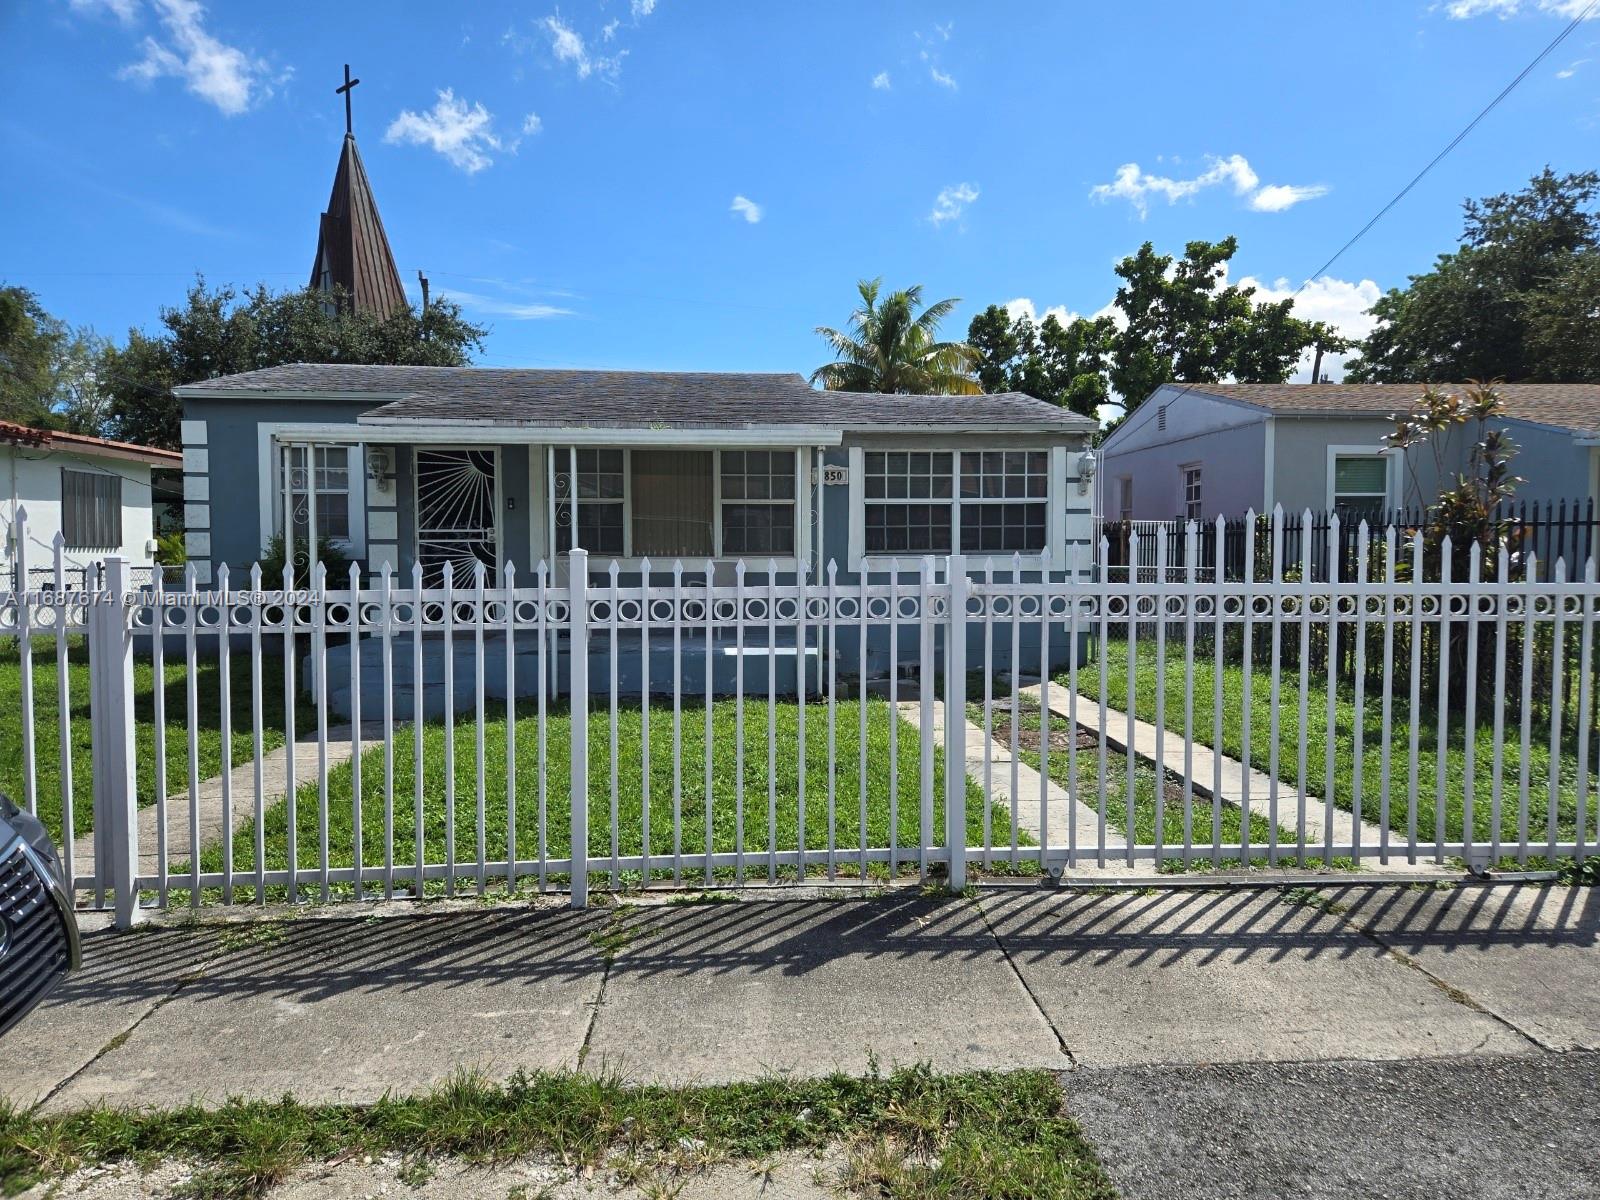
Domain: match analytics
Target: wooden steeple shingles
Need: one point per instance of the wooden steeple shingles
(352, 249)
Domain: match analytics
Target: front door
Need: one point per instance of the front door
(457, 515)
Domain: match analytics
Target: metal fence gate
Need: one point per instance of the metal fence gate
(373, 738)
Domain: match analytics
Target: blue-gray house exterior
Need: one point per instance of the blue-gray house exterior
(703, 468)
(1207, 450)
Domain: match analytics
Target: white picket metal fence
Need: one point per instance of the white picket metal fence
(667, 729)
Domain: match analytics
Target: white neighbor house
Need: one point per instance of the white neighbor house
(95, 492)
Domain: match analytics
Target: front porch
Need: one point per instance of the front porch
(452, 498)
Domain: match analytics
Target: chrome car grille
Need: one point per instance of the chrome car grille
(36, 945)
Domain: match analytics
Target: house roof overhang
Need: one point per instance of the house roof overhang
(406, 432)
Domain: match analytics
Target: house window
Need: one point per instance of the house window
(757, 502)
(602, 500)
(1360, 484)
(324, 478)
(1191, 492)
(91, 510)
(665, 504)
(1125, 498)
(916, 500)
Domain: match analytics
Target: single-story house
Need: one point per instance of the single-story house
(95, 493)
(469, 465)
(1218, 449)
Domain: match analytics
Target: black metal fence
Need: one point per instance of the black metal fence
(1311, 545)
(1315, 547)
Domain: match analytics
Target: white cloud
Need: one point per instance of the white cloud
(1023, 307)
(123, 10)
(1342, 303)
(463, 134)
(642, 8)
(1276, 197)
(532, 123)
(881, 81)
(747, 208)
(1465, 10)
(951, 202)
(496, 307)
(1138, 187)
(609, 29)
(1571, 69)
(567, 44)
(941, 78)
(218, 73)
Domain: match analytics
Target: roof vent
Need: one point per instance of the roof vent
(1161, 418)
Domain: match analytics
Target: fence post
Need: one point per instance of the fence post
(111, 732)
(955, 723)
(578, 706)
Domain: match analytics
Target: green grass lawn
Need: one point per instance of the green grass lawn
(1087, 788)
(909, 1133)
(1375, 738)
(47, 733)
(630, 792)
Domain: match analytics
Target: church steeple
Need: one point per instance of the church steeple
(352, 248)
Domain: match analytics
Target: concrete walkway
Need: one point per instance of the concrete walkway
(1207, 767)
(214, 814)
(344, 1003)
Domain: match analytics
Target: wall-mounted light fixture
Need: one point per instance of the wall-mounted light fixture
(1086, 468)
(380, 466)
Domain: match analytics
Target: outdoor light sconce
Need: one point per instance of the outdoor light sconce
(1086, 467)
(380, 466)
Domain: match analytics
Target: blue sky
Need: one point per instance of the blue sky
(668, 184)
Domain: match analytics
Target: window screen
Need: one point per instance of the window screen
(91, 510)
(1360, 483)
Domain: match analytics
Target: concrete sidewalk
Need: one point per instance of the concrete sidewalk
(344, 1004)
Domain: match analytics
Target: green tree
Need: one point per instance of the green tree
(224, 332)
(891, 347)
(1514, 301)
(1183, 324)
(1064, 364)
(47, 368)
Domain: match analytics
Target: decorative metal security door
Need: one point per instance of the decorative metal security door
(456, 514)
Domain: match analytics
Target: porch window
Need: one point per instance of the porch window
(601, 502)
(757, 502)
(916, 500)
(665, 504)
(327, 474)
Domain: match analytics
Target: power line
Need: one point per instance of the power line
(1454, 142)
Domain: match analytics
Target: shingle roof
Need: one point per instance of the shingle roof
(633, 398)
(352, 239)
(1574, 406)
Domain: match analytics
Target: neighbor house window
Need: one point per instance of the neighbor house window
(668, 504)
(1360, 483)
(916, 501)
(1191, 492)
(319, 476)
(91, 510)
(1125, 497)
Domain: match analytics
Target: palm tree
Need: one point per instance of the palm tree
(890, 347)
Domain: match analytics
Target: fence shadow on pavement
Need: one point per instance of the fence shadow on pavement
(311, 959)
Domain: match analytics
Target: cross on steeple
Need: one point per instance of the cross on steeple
(345, 92)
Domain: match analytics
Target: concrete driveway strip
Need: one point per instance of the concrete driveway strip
(710, 993)
(1196, 977)
(1483, 1128)
(1529, 954)
(125, 978)
(344, 1010)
